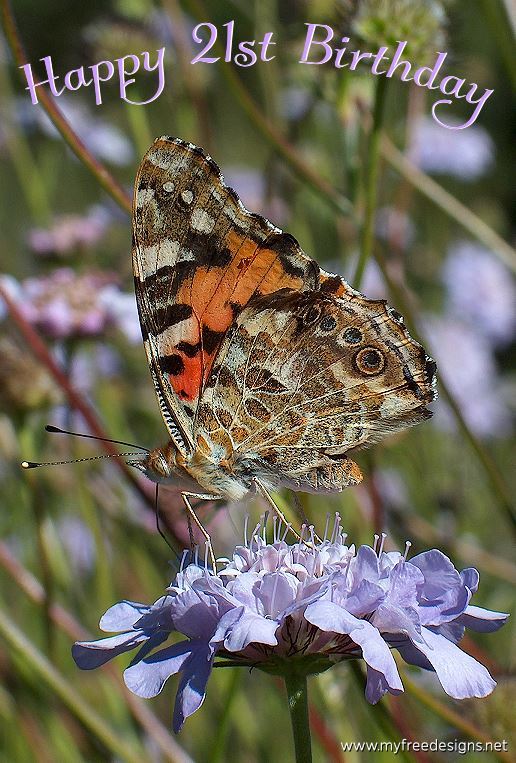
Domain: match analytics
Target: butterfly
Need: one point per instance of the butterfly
(268, 370)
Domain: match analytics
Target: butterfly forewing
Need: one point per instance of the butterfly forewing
(199, 257)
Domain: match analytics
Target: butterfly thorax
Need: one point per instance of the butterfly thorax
(202, 472)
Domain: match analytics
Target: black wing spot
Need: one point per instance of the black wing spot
(189, 349)
(412, 384)
(211, 339)
(172, 364)
(328, 323)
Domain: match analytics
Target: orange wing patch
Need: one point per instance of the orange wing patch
(199, 258)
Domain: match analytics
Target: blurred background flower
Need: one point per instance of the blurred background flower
(466, 363)
(481, 291)
(464, 154)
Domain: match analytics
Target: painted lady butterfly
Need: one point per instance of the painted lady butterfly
(268, 370)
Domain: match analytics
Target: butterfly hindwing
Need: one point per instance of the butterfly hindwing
(199, 258)
(302, 378)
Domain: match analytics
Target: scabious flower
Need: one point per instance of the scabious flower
(480, 289)
(65, 304)
(302, 607)
(464, 154)
(70, 232)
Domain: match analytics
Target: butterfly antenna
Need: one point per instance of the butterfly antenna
(35, 464)
(53, 429)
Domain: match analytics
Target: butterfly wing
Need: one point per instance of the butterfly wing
(302, 378)
(199, 257)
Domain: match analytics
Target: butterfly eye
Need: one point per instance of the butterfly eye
(369, 361)
(328, 323)
(352, 336)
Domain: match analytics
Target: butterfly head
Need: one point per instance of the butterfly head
(161, 464)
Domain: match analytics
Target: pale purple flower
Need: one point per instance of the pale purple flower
(295, 102)
(65, 304)
(312, 603)
(70, 232)
(392, 225)
(123, 311)
(465, 154)
(78, 542)
(481, 290)
(467, 365)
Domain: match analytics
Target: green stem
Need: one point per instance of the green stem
(106, 180)
(297, 694)
(274, 138)
(371, 183)
(62, 688)
(448, 203)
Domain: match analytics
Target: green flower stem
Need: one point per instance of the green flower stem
(447, 203)
(29, 174)
(45, 671)
(106, 180)
(40, 351)
(297, 694)
(311, 177)
(371, 181)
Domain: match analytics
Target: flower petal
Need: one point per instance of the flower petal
(330, 617)
(147, 678)
(276, 591)
(240, 627)
(482, 620)
(470, 578)
(192, 687)
(122, 616)
(92, 654)
(460, 675)
(377, 686)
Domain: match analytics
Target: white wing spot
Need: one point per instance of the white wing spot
(160, 158)
(201, 221)
(168, 186)
(143, 196)
(187, 196)
(151, 256)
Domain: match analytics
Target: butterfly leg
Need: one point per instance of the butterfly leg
(270, 500)
(192, 515)
(268, 497)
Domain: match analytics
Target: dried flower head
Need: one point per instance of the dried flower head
(306, 606)
(24, 384)
(387, 22)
